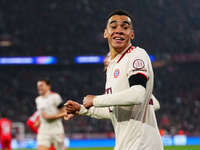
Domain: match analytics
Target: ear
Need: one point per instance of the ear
(132, 35)
(105, 33)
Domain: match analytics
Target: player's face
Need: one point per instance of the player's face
(119, 32)
(42, 87)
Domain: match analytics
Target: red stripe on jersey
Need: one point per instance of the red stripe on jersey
(130, 47)
(151, 102)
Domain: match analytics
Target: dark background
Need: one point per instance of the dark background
(67, 28)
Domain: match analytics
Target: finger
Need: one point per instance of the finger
(69, 102)
(85, 105)
(69, 106)
(84, 101)
(70, 110)
(69, 116)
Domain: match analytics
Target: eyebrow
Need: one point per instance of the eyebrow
(124, 22)
(114, 21)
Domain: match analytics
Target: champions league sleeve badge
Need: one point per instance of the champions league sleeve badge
(138, 64)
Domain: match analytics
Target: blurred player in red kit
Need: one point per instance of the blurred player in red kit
(5, 132)
(33, 123)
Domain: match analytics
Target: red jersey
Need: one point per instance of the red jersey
(31, 120)
(30, 123)
(5, 129)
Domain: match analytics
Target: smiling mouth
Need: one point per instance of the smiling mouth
(119, 39)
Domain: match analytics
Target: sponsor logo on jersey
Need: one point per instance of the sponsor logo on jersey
(116, 73)
(144, 70)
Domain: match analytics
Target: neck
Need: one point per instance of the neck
(46, 93)
(114, 52)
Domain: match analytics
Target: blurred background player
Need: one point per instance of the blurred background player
(5, 132)
(33, 123)
(50, 108)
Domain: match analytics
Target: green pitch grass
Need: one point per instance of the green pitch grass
(166, 148)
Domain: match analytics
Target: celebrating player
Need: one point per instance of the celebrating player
(129, 85)
(5, 132)
(50, 108)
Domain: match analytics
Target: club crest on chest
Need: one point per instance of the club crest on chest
(116, 73)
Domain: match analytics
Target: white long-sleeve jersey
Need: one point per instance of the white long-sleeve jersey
(48, 104)
(128, 107)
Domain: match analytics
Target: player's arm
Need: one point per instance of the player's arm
(30, 124)
(95, 112)
(73, 107)
(60, 114)
(60, 105)
(134, 95)
(33, 122)
(36, 124)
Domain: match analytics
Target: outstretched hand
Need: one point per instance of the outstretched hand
(88, 101)
(72, 109)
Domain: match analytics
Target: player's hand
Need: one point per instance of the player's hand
(72, 107)
(88, 101)
(69, 116)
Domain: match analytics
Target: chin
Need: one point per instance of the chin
(41, 93)
(119, 48)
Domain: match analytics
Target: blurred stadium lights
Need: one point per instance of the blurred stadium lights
(89, 59)
(152, 58)
(5, 43)
(5, 40)
(48, 60)
(40, 60)
(96, 59)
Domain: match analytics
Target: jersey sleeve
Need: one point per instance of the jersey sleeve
(94, 112)
(41, 107)
(38, 106)
(138, 63)
(30, 124)
(57, 100)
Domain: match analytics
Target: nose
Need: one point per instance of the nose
(119, 30)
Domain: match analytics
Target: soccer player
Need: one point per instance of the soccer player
(129, 85)
(50, 108)
(5, 132)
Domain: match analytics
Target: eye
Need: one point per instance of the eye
(113, 27)
(125, 27)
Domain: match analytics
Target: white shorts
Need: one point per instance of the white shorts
(57, 140)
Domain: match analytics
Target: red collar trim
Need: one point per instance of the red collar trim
(124, 53)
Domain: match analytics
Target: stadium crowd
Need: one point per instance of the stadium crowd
(176, 89)
(69, 28)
